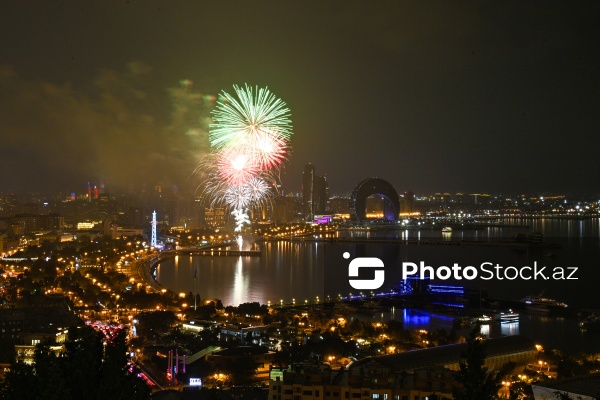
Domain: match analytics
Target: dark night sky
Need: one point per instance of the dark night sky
(431, 95)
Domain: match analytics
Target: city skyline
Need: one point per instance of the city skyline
(431, 97)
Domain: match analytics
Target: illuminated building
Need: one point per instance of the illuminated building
(308, 191)
(117, 232)
(243, 334)
(410, 375)
(25, 327)
(214, 216)
(408, 204)
(197, 326)
(288, 208)
(280, 211)
(339, 205)
(25, 352)
(374, 383)
(31, 223)
(315, 193)
(87, 225)
(93, 192)
(368, 187)
(222, 359)
(321, 195)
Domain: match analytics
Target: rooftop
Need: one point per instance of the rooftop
(446, 355)
(581, 386)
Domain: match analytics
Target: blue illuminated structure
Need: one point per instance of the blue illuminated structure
(414, 285)
(455, 296)
(445, 295)
(447, 290)
(418, 319)
(447, 304)
(415, 318)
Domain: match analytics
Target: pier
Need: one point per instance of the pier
(223, 253)
(421, 242)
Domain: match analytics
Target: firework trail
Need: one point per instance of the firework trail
(249, 144)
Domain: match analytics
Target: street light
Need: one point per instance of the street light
(506, 389)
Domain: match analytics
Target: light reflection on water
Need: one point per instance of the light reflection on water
(509, 328)
(305, 270)
(240, 283)
(283, 271)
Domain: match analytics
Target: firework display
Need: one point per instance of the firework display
(249, 143)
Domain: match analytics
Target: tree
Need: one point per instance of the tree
(50, 380)
(564, 396)
(18, 383)
(86, 370)
(520, 390)
(355, 327)
(242, 369)
(155, 322)
(569, 368)
(476, 382)
(115, 381)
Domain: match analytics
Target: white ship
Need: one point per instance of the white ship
(507, 316)
(542, 304)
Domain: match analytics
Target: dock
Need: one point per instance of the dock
(224, 253)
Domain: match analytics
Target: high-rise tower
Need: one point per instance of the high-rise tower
(315, 193)
(153, 242)
(308, 191)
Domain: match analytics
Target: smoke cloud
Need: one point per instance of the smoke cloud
(117, 131)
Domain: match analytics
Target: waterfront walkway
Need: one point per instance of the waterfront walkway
(142, 269)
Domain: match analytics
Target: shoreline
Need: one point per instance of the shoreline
(144, 268)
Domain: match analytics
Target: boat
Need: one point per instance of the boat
(507, 316)
(446, 229)
(542, 304)
(590, 324)
(482, 320)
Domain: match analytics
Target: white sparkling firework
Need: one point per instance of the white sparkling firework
(249, 140)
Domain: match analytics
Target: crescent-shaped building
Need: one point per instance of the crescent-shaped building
(371, 186)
